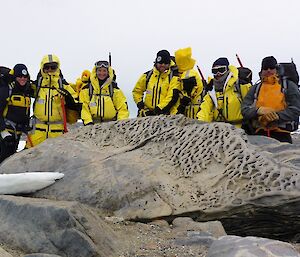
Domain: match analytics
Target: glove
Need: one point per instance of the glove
(266, 119)
(181, 109)
(210, 85)
(63, 91)
(5, 134)
(271, 116)
(140, 105)
(189, 84)
(88, 124)
(185, 101)
(157, 111)
(70, 102)
(264, 110)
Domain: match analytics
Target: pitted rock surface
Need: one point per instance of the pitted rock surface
(165, 166)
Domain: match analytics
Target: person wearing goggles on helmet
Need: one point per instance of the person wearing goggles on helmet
(101, 98)
(222, 103)
(154, 91)
(52, 95)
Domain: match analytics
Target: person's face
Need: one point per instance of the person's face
(268, 72)
(162, 67)
(102, 73)
(50, 67)
(22, 80)
(219, 71)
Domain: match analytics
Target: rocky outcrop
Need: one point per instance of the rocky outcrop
(56, 227)
(141, 169)
(234, 246)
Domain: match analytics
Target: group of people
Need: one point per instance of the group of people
(173, 86)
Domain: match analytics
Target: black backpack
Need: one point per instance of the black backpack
(245, 75)
(288, 70)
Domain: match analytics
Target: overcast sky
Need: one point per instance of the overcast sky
(80, 32)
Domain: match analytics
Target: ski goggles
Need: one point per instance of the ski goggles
(221, 70)
(102, 64)
(50, 66)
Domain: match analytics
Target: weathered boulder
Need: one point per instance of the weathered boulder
(234, 246)
(172, 166)
(63, 228)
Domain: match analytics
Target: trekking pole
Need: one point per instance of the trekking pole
(239, 60)
(201, 74)
(203, 81)
(109, 58)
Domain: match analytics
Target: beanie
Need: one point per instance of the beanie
(268, 62)
(222, 61)
(163, 56)
(20, 70)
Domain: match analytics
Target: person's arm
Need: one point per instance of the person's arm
(172, 96)
(120, 104)
(139, 89)
(84, 98)
(206, 112)
(249, 111)
(3, 103)
(292, 98)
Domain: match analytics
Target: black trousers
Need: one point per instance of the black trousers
(280, 136)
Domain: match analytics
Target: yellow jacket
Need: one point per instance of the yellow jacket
(159, 90)
(48, 104)
(102, 103)
(193, 107)
(225, 106)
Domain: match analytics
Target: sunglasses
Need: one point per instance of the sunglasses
(102, 64)
(271, 68)
(221, 70)
(23, 76)
(50, 66)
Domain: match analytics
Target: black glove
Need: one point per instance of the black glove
(189, 84)
(140, 105)
(185, 101)
(149, 113)
(88, 124)
(157, 111)
(69, 100)
(209, 86)
(181, 109)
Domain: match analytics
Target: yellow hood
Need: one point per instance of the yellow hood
(184, 60)
(48, 59)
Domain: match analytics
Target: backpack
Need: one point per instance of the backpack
(245, 75)
(4, 72)
(284, 77)
(288, 71)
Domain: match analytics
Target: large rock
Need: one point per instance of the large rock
(169, 166)
(234, 246)
(56, 227)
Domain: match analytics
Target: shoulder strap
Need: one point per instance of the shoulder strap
(256, 92)
(148, 76)
(91, 90)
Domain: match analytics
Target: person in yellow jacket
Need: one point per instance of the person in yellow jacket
(49, 110)
(101, 98)
(223, 102)
(191, 86)
(154, 91)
